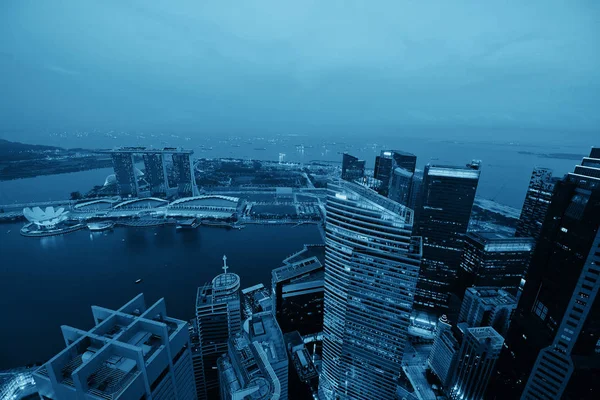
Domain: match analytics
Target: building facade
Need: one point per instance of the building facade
(135, 352)
(168, 171)
(447, 199)
(476, 362)
(371, 266)
(488, 306)
(218, 317)
(537, 201)
(352, 168)
(298, 290)
(493, 259)
(554, 339)
(444, 352)
(387, 162)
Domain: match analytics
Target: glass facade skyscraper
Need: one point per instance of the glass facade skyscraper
(371, 267)
(537, 201)
(387, 162)
(352, 168)
(554, 338)
(447, 200)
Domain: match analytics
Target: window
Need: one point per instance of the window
(541, 310)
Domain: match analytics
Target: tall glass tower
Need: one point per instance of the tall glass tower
(447, 200)
(371, 268)
(218, 317)
(554, 338)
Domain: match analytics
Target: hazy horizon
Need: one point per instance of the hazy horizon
(528, 69)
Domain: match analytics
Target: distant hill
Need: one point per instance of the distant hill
(16, 151)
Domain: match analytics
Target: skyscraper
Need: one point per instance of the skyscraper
(537, 201)
(488, 306)
(297, 291)
(135, 352)
(387, 162)
(263, 329)
(245, 373)
(444, 351)
(475, 363)
(554, 339)
(447, 200)
(169, 171)
(352, 168)
(493, 259)
(371, 267)
(400, 186)
(218, 317)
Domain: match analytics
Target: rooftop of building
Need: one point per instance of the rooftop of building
(483, 333)
(453, 171)
(265, 330)
(371, 199)
(499, 241)
(308, 260)
(105, 358)
(492, 295)
(142, 149)
(300, 357)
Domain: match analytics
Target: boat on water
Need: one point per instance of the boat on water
(100, 226)
(138, 280)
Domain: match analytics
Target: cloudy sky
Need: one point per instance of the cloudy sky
(249, 65)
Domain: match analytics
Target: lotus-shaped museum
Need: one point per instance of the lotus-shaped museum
(47, 218)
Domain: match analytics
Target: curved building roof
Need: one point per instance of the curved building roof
(142, 202)
(48, 217)
(206, 200)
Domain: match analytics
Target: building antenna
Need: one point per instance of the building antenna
(225, 263)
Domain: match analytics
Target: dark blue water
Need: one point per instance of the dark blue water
(53, 281)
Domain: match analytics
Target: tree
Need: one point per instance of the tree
(76, 196)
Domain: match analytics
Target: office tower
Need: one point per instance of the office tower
(245, 373)
(263, 329)
(553, 340)
(488, 306)
(135, 352)
(493, 259)
(255, 299)
(218, 317)
(125, 174)
(475, 363)
(387, 162)
(178, 179)
(400, 186)
(448, 195)
(352, 168)
(297, 291)
(156, 173)
(444, 351)
(537, 201)
(371, 267)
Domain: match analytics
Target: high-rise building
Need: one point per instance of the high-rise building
(297, 291)
(156, 173)
(352, 168)
(537, 201)
(255, 299)
(125, 174)
(263, 329)
(447, 200)
(444, 352)
(371, 267)
(488, 306)
(554, 338)
(400, 186)
(387, 162)
(169, 171)
(416, 197)
(218, 317)
(135, 352)
(493, 259)
(479, 351)
(245, 373)
(303, 377)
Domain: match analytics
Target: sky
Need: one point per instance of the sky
(270, 65)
